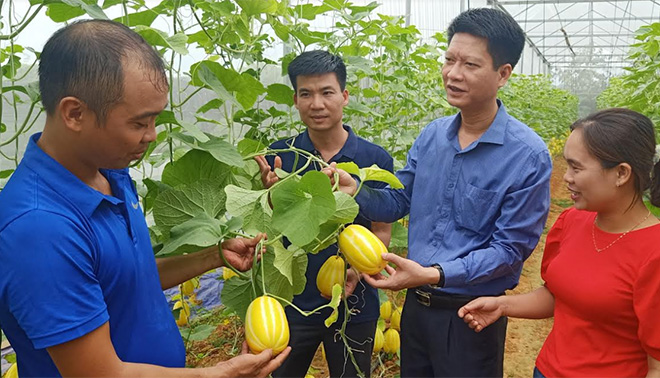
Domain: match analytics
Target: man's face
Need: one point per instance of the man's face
(470, 80)
(320, 101)
(130, 125)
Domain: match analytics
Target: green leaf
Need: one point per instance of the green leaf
(10, 358)
(381, 324)
(372, 173)
(237, 294)
(145, 18)
(299, 208)
(201, 231)
(33, 92)
(201, 332)
(327, 232)
(153, 190)
(218, 148)
(350, 167)
(60, 12)
(240, 201)
(194, 166)
(346, 208)
(306, 11)
(334, 303)
(399, 236)
(277, 283)
(6, 173)
(176, 42)
(280, 94)
(92, 10)
(194, 131)
(216, 103)
(177, 205)
(250, 146)
(243, 88)
(337, 290)
(252, 206)
(283, 261)
(207, 77)
(257, 7)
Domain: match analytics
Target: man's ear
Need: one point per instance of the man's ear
(504, 72)
(74, 113)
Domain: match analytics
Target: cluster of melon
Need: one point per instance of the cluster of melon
(387, 336)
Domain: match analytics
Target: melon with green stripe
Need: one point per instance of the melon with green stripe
(332, 272)
(266, 326)
(362, 249)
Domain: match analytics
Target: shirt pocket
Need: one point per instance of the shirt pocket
(476, 209)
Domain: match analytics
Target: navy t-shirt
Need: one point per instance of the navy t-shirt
(365, 298)
(72, 259)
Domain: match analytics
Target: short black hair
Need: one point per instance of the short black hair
(505, 37)
(85, 60)
(317, 62)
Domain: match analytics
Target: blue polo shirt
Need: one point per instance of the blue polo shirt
(477, 211)
(72, 259)
(365, 298)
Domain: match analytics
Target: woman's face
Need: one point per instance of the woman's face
(592, 187)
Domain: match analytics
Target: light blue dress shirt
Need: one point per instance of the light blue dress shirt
(478, 211)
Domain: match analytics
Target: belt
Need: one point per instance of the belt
(442, 300)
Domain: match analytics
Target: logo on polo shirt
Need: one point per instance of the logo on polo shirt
(135, 205)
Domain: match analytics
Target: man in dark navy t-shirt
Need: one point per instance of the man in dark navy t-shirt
(80, 290)
(319, 81)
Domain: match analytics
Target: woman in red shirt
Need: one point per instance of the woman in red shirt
(601, 263)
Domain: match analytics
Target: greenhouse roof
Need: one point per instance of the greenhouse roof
(573, 34)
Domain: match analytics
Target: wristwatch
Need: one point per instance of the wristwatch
(441, 281)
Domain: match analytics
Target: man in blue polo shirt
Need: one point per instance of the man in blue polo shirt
(80, 289)
(319, 82)
(477, 191)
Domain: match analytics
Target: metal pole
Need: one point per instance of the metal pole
(408, 11)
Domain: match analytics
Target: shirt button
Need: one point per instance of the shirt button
(451, 185)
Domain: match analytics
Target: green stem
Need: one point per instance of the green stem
(274, 240)
(19, 132)
(342, 332)
(226, 263)
(20, 29)
(302, 312)
(358, 188)
(188, 98)
(263, 273)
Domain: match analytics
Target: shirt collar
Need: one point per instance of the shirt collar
(495, 132)
(61, 180)
(349, 149)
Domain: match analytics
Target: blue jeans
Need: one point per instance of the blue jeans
(537, 373)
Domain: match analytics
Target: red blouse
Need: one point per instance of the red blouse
(607, 304)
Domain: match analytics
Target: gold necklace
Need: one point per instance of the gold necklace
(593, 233)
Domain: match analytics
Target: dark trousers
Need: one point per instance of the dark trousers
(537, 373)
(305, 339)
(435, 342)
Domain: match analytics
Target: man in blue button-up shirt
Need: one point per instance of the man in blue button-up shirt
(477, 191)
